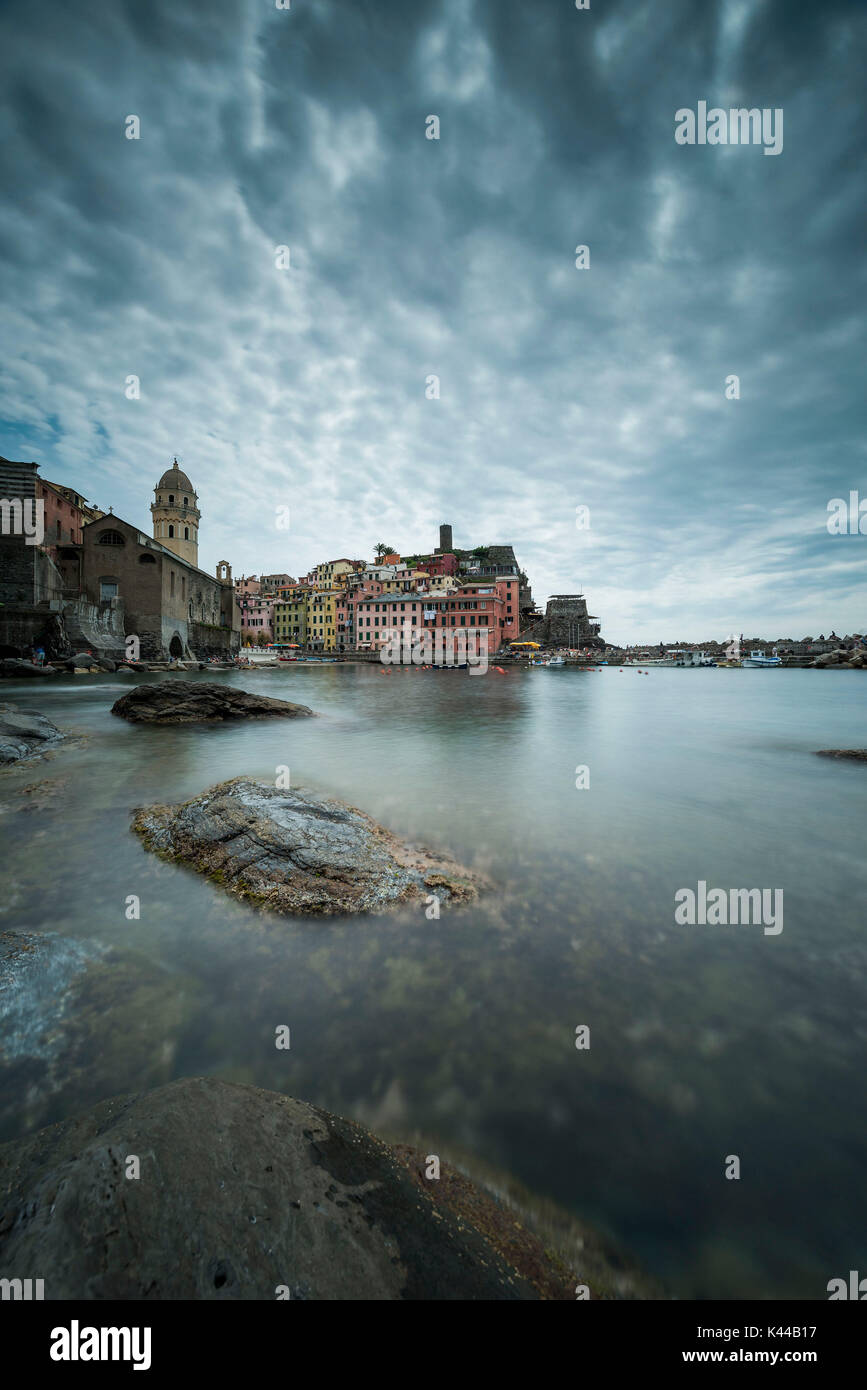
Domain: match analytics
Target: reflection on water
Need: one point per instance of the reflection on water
(705, 1041)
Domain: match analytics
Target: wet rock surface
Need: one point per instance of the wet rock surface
(242, 1193)
(17, 666)
(299, 852)
(24, 734)
(190, 702)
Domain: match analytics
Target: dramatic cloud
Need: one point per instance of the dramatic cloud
(304, 128)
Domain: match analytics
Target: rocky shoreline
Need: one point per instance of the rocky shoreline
(242, 1193)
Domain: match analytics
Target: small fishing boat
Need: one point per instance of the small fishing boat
(758, 659)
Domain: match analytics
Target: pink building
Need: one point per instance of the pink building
(439, 565)
(247, 585)
(489, 607)
(257, 618)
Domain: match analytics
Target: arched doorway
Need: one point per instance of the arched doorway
(176, 647)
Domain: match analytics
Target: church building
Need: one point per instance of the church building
(174, 608)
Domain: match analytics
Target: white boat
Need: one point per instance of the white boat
(759, 659)
(691, 658)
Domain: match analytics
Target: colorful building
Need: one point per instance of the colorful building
(439, 565)
(256, 619)
(290, 616)
(322, 619)
(332, 573)
(247, 585)
(489, 608)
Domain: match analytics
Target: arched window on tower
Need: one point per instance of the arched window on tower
(171, 530)
(186, 533)
(171, 498)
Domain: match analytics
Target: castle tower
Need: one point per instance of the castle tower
(176, 515)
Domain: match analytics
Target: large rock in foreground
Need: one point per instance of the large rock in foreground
(22, 735)
(191, 702)
(242, 1194)
(298, 852)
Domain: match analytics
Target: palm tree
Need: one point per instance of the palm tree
(382, 549)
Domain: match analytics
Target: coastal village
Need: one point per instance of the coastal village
(77, 581)
(86, 580)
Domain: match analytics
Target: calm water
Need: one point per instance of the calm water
(705, 1041)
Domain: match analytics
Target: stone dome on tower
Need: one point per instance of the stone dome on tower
(176, 514)
(174, 478)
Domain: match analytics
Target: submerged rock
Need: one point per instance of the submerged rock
(299, 852)
(23, 734)
(242, 1194)
(859, 753)
(74, 1015)
(36, 972)
(71, 1012)
(189, 702)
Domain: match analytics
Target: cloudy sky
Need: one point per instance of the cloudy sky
(305, 386)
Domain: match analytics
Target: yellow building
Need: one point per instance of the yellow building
(404, 581)
(290, 616)
(322, 619)
(332, 573)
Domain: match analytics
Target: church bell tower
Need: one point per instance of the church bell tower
(176, 515)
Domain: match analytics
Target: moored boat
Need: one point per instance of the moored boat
(759, 659)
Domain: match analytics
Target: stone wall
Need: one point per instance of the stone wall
(16, 570)
(206, 640)
(96, 627)
(27, 574)
(22, 628)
